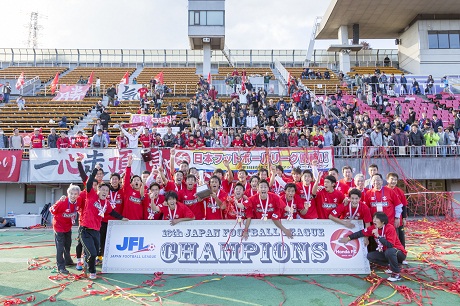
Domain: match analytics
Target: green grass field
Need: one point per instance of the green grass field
(431, 278)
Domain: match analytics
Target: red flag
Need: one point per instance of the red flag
(209, 79)
(159, 78)
(20, 81)
(243, 86)
(125, 79)
(90, 80)
(54, 83)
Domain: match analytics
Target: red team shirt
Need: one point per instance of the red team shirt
(402, 199)
(116, 201)
(256, 207)
(93, 211)
(181, 211)
(63, 142)
(326, 202)
(188, 198)
(65, 214)
(145, 140)
(212, 211)
(297, 203)
(171, 186)
(149, 214)
(122, 142)
(361, 212)
(37, 141)
(133, 203)
(389, 232)
(232, 211)
(384, 200)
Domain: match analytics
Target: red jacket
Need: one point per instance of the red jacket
(65, 214)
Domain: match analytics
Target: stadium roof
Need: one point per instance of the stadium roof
(381, 19)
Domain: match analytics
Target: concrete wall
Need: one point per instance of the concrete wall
(416, 57)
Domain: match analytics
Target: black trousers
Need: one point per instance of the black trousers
(103, 232)
(402, 235)
(390, 256)
(63, 242)
(79, 247)
(90, 239)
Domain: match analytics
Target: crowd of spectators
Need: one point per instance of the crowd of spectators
(251, 119)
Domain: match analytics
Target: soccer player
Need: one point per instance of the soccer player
(235, 205)
(254, 182)
(134, 194)
(389, 248)
(383, 199)
(347, 180)
(172, 210)
(304, 190)
(265, 205)
(343, 188)
(95, 206)
(172, 185)
(216, 203)
(65, 213)
(355, 210)
(188, 197)
(392, 179)
(327, 199)
(292, 204)
(155, 198)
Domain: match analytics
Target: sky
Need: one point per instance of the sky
(162, 24)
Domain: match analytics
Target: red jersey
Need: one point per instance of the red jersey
(145, 140)
(65, 213)
(326, 202)
(142, 92)
(93, 211)
(172, 186)
(293, 140)
(296, 203)
(212, 211)
(290, 122)
(384, 200)
(361, 212)
(116, 201)
(305, 194)
(388, 231)
(133, 202)
(248, 140)
(157, 142)
(181, 211)
(257, 208)
(343, 188)
(238, 143)
(63, 142)
(37, 141)
(350, 184)
(188, 198)
(316, 139)
(149, 214)
(80, 142)
(299, 123)
(246, 187)
(122, 142)
(250, 192)
(232, 211)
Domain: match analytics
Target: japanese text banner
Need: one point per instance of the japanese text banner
(149, 121)
(250, 159)
(207, 247)
(71, 93)
(10, 165)
(50, 165)
(128, 91)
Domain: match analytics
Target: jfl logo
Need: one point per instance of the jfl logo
(131, 243)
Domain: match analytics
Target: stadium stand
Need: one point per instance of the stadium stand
(45, 74)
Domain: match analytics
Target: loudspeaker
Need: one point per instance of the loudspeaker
(355, 34)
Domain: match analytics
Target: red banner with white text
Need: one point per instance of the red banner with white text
(10, 165)
(71, 93)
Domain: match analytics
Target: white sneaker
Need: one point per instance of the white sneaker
(92, 276)
(405, 262)
(394, 277)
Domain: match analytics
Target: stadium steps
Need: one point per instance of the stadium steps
(135, 74)
(87, 120)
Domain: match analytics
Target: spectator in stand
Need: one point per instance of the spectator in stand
(431, 141)
(157, 142)
(456, 115)
(194, 115)
(225, 140)
(376, 140)
(261, 139)
(424, 121)
(63, 122)
(52, 139)
(16, 141)
(121, 141)
(105, 119)
(169, 139)
(379, 103)
(443, 141)
(146, 139)
(416, 140)
(143, 92)
(37, 141)
(98, 86)
(4, 143)
(63, 142)
(111, 93)
(6, 92)
(80, 140)
(133, 137)
(216, 121)
(21, 103)
(99, 141)
(436, 122)
(400, 139)
(403, 82)
(212, 93)
(282, 140)
(328, 142)
(429, 85)
(97, 126)
(99, 108)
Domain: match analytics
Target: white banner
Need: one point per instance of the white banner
(128, 91)
(50, 165)
(71, 92)
(206, 247)
(250, 159)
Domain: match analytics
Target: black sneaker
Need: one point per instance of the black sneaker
(64, 271)
(394, 277)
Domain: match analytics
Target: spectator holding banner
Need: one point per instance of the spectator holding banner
(133, 137)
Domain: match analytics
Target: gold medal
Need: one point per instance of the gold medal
(240, 220)
(265, 218)
(290, 218)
